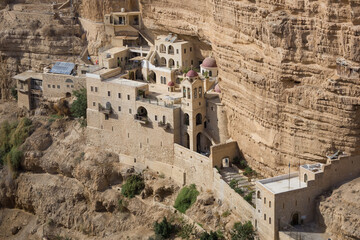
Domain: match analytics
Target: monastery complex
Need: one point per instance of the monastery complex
(158, 106)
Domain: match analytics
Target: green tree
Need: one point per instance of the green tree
(164, 229)
(243, 231)
(209, 236)
(133, 186)
(78, 107)
(186, 198)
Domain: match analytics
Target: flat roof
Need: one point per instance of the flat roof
(115, 50)
(126, 82)
(283, 183)
(28, 74)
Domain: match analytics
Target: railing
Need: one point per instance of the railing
(157, 102)
(141, 119)
(104, 109)
(164, 125)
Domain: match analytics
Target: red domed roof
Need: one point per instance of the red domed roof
(171, 84)
(209, 62)
(217, 88)
(192, 73)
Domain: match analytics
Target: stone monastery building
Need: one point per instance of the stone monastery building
(159, 106)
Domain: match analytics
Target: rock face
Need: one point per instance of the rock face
(340, 212)
(277, 63)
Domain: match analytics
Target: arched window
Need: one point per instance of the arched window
(69, 80)
(184, 92)
(200, 92)
(171, 63)
(163, 62)
(264, 200)
(258, 195)
(162, 48)
(198, 119)
(188, 93)
(305, 177)
(195, 92)
(171, 50)
(210, 73)
(162, 80)
(186, 119)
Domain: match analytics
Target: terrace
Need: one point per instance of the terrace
(283, 183)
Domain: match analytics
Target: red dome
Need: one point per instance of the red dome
(171, 84)
(209, 63)
(191, 74)
(217, 88)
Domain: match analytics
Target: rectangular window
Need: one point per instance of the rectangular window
(53, 86)
(192, 62)
(269, 220)
(119, 95)
(155, 117)
(177, 51)
(184, 50)
(164, 119)
(200, 92)
(106, 117)
(119, 108)
(92, 88)
(195, 93)
(130, 110)
(49, 86)
(109, 93)
(96, 89)
(264, 216)
(68, 86)
(94, 104)
(269, 204)
(72, 86)
(58, 86)
(190, 49)
(128, 97)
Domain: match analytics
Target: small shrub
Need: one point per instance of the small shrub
(234, 183)
(122, 205)
(14, 159)
(133, 186)
(248, 171)
(14, 93)
(161, 175)
(226, 213)
(209, 236)
(248, 197)
(187, 230)
(243, 231)
(242, 164)
(186, 197)
(239, 191)
(164, 229)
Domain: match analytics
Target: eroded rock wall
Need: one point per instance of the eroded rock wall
(276, 59)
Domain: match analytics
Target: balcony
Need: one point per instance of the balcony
(165, 126)
(105, 110)
(141, 119)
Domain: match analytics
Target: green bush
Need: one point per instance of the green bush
(133, 186)
(122, 205)
(14, 158)
(233, 183)
(164, 229)
(239, 191)
(243, 231)
(248, 197)
(209, 236)
(14, 93)
(186, 198)
(242, 164)
(79, 106)
(249, 172)
(187, 230)
(11, 137)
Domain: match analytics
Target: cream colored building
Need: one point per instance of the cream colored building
(59, 82)
(290, 199)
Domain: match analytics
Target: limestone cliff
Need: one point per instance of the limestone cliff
(277, 63)
(340, 212)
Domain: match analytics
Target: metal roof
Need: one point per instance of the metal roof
(63, 68)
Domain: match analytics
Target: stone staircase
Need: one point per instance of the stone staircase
(230, 173)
